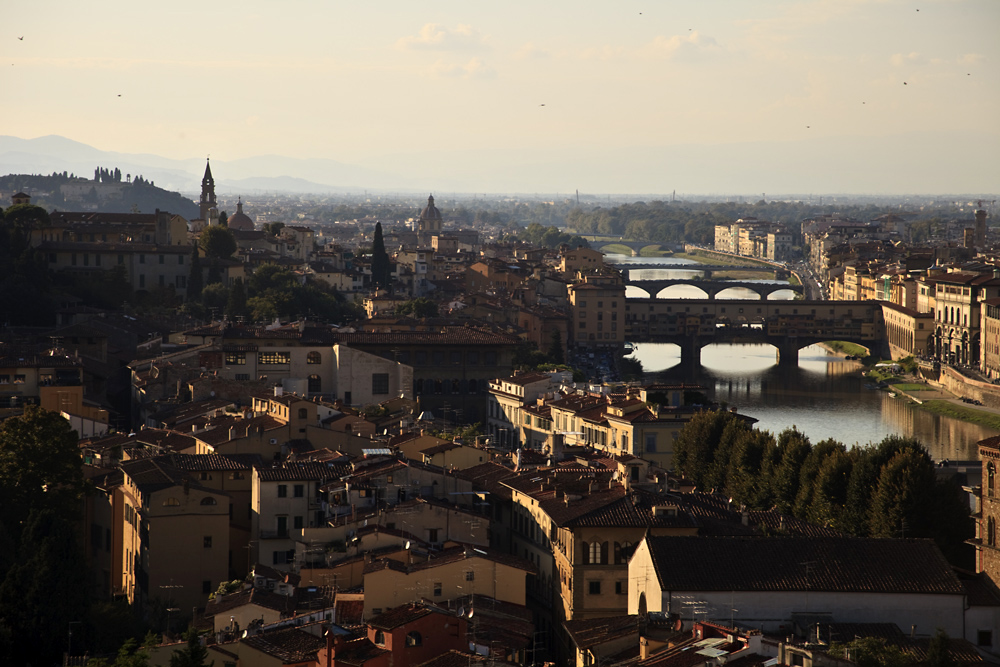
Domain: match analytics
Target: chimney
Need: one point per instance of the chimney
(746, 518)
(643, 648)
(278, 390)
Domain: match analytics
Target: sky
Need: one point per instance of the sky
(875, 95)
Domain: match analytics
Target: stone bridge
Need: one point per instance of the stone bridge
(705, 269)
(634, 246)
(787, 325)
(712, 287)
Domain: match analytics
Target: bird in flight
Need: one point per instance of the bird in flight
(904, 83)
(541, 105)
(21, 38)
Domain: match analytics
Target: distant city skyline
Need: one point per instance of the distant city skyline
(863, 96)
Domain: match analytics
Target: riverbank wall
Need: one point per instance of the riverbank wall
(960, 385)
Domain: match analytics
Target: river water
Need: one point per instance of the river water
(824, 396)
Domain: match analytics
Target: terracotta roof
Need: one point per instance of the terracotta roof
(199, 462)
(289, 645)
(595, 631)
(254, 596)
(358, 652)
(349, 612)
(776, 564)
(450, 336)
(301, 471)
(399, 616)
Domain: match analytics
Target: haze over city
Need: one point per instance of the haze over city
(629, 97)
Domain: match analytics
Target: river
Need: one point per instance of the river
(824, 396)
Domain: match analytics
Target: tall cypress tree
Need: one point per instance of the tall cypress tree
(380, 261)
(194, 280)
(236, 306)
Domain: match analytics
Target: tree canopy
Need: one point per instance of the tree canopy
(218, 242)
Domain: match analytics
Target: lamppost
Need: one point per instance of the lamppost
(69, 643)
(170, 610)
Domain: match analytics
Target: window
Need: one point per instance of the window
(208, 500)
(273, 358)
(470, 575)
(456, 357)
(282, 526)
(180, 259)
(19, 378)
(282, 491)
(437, 589)
(380, 383)
(421, 358)
(471, 358)
(163, 259)
(171, 502)
(121, 259)
(315, 384)
(299, 490)
(297, 523)
(142, 259)
(991, 474)
(379, 636)
(594, 587)
(620, 588)
(142, 280)
(206, 587)
(314, 358)
(984, 638)
(432, 534)
(650, 442)
(303, 413)
(207, 541)
(413, 638)
(236, 358)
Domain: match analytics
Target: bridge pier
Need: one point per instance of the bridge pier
(690, 353)
(788, 353)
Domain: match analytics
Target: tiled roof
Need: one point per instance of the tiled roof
(488, 477)
(802, 564)
(154, 475)
(635, 510)
(358, 652)
(455, 658)
(267, 599)
(595, 631)
(449, 336)
(399, 616)
(200, 462)
(289, 645)
(301, 471)
(349, 612)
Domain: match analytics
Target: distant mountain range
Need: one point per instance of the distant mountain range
(928, 163)
(270, 173)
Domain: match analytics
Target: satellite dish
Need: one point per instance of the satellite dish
(461, 611)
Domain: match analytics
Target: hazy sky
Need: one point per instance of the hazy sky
(375, 82)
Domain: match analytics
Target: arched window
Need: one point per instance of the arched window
(991, 532)
(209, 500)
(456, 386)
(473, 386)
(303, 413)
(414, 639)
(623, 551)
(315, 384)
(171, 502)
(437, 386)
(380, 638)
(314, 358)
(418, 387)
(597, 553)
(991, 475)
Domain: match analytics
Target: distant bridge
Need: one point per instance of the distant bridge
(787, 325)
(705, 269)
(712, 287)
(634, 246)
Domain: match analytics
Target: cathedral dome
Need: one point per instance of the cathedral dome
(431, 212)
(240, 220)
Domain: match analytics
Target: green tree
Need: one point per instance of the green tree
(901, 503)
(938, 652)
(223, 219)
(829, 493)
(194, 284)
(218, 242)
(419, 307)
(556, 350)
(273, 228)
(40, 465)
(192, 655)
(236, 306)
(695, 448)
(381, 269)
(18, 221)
(794, 448)
(215, 296)
(870, 652)
(744, 482)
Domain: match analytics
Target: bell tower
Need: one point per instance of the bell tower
(207, 201)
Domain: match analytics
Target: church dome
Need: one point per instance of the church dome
(431, 212)
(240, 220)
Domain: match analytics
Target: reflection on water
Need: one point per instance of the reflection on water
(824, 397)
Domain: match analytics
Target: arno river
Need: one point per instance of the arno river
(824, 397)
